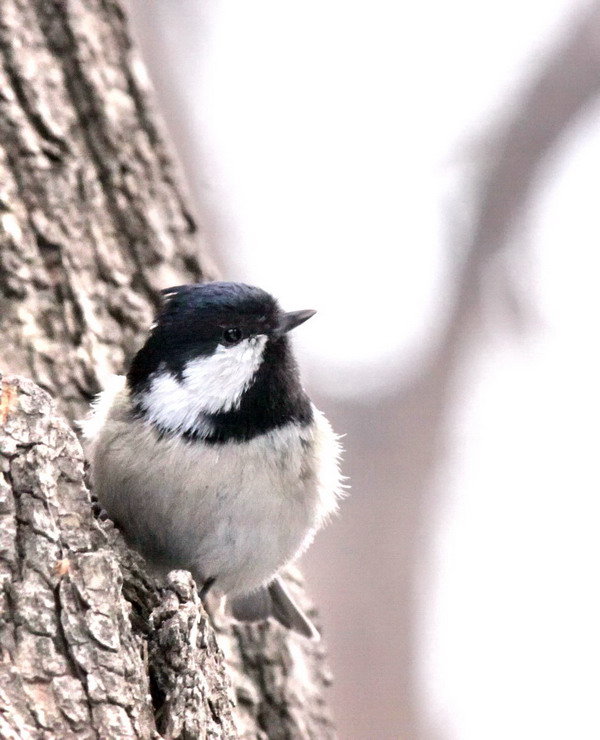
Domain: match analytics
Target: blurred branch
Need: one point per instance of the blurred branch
(405, 441)
(567, 83)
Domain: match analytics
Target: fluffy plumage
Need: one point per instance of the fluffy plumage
(210, 456)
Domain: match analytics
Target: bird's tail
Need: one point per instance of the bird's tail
(275, 601)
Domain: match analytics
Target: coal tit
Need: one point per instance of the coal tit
(209, 455)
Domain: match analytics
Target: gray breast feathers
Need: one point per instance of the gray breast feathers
(236, 511)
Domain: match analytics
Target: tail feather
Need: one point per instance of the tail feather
(286, 611)
(273, 600)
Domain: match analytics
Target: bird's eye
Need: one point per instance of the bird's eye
(232, 336)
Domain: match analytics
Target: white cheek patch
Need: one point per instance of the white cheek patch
(209, 385)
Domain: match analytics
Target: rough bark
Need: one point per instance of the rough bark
(80, 659)
(93, 223)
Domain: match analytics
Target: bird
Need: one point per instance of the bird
(208, 453)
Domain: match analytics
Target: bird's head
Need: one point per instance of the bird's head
(214, 349)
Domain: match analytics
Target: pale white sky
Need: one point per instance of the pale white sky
(334, 134)
(514, 600)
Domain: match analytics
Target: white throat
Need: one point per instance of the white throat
(209, 385)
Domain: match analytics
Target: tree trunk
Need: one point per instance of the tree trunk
(93, 222)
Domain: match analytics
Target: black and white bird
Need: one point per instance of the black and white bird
(209, 455)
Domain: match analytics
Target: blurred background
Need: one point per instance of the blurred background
(426, 176)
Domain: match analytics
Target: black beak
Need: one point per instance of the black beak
(291, 320)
